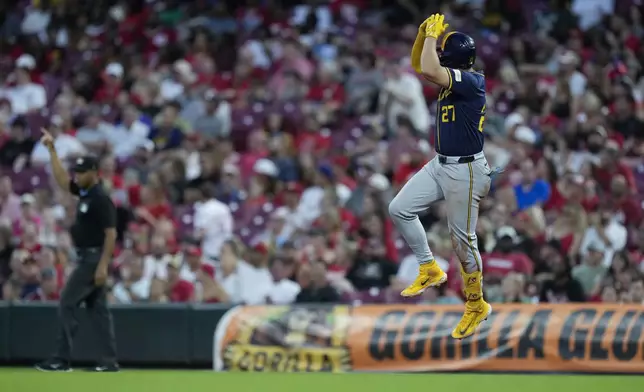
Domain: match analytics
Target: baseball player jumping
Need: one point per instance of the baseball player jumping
(459, 173)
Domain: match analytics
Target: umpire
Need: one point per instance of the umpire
(94, 236)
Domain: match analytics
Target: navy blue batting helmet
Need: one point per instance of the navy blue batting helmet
(457, 51)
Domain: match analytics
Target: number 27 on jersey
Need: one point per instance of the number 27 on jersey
(448, 114)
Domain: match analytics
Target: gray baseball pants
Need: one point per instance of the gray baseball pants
(462, 186)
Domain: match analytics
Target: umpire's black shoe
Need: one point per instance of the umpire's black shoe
(111, 368)
(54, 365)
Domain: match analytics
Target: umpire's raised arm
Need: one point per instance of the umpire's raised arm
(60, 174)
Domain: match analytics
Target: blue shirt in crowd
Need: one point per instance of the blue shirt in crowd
(528, 196)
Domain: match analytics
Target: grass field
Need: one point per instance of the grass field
(26, 380)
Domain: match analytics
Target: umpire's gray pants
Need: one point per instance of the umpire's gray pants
(462, 186)
(80, 288)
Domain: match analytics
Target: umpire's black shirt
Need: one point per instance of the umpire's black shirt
(95, 212)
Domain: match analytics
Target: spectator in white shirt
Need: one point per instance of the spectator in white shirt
(284, 290)
(67, 146)
(36, 20)
(95, 132)
(605, 233)
(292, 221)
(227, 274)
(213, 223)
(182, 75)
(312, 200)
(250, 282)
(155, 263)
(402, 95)
(256, 279)
(591, 12)
(26, 96)
(130, 135)
(134, 286)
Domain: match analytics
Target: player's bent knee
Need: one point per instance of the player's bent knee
(396, 210)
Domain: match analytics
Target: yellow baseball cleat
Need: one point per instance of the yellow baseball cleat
(476, 309)
(429, 275)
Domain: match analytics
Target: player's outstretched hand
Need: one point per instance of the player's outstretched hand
(436, 26)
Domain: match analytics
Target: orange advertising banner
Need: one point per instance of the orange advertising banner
(591, 338)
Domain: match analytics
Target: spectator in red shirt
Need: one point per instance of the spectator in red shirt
(309, 138)
(409, 165)
(155, 206)
(572, 188)
(610, 166)
(112, 81)
(621, 202)
(29, 240)
(257, 148)
(326, 87)
(505, 258)
(178, 289)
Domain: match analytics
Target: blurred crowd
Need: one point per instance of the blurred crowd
(252, 147)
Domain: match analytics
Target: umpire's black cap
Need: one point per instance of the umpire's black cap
(85, 164)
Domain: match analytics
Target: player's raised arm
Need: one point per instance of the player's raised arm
(450, 65)
(417, 49)
(430, 65)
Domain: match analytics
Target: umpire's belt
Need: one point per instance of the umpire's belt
(454, 160)
(88, 252)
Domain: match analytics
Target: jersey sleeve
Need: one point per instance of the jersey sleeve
(463, 83)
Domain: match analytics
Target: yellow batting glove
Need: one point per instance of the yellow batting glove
(436, 26)
(422, 29)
